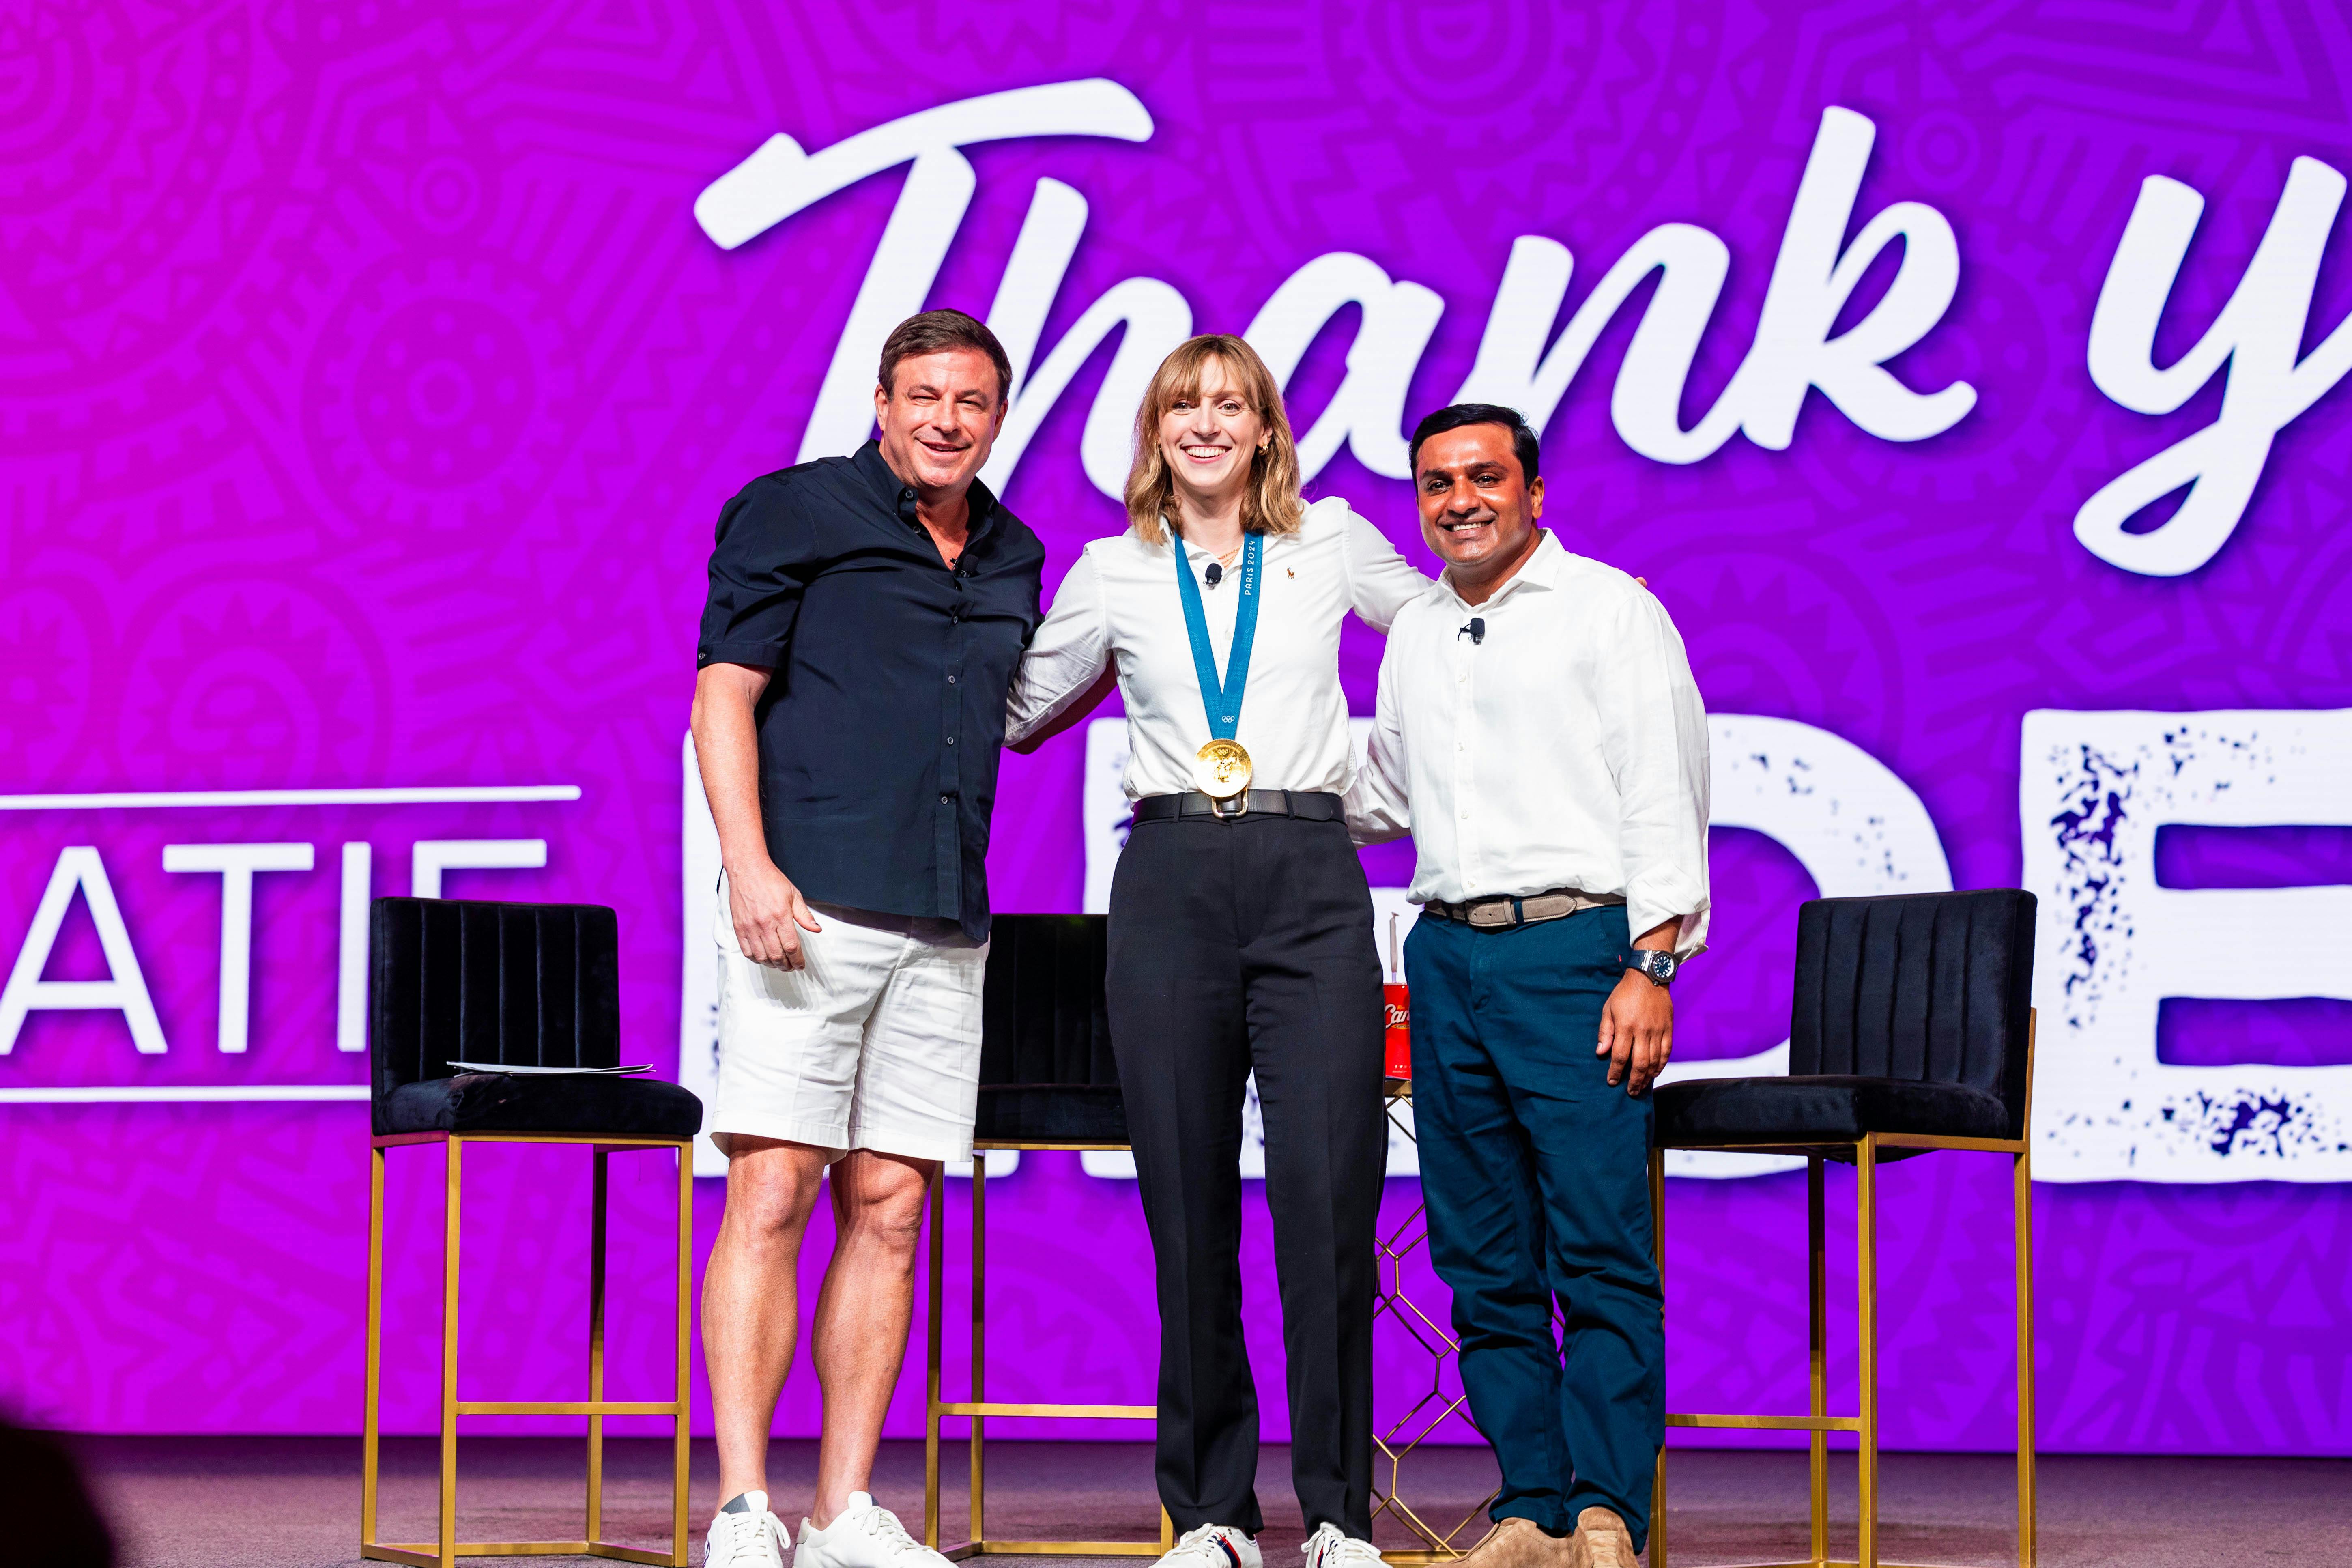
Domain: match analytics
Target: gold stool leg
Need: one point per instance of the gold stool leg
(1658, 1261)
(936, 1293)
(368, 1443)
(682, 1426)
(596, 1347)
(2028, 1547)
(1818, 1300)
(979, 1330)
(1865, 1168)
(447, 1550)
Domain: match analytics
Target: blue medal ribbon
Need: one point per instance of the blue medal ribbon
(1222, 699)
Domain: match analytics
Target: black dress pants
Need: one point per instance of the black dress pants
(1240, 945)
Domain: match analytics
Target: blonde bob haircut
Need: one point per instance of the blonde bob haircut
(1272, 503)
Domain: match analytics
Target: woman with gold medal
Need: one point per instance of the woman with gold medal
(1240, 929)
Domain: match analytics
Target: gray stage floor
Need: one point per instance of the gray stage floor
(231, 1503)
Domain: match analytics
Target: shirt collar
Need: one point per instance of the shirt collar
(899, 495)
(1540, 570)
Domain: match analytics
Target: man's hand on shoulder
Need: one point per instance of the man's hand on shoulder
(770, 915)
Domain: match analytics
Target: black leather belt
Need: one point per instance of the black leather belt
(1307, 805)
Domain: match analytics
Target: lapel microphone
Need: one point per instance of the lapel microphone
(1477, 630)
(1216, 573)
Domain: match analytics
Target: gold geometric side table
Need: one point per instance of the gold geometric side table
(1442, 1538)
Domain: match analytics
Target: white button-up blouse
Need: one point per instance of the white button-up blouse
(1119, 606)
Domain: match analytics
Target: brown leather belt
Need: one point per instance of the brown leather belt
(1308, 805)
(1500, 914)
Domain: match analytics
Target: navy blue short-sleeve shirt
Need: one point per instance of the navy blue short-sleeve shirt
(881, 728)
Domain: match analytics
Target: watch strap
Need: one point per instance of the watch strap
(1647, 963)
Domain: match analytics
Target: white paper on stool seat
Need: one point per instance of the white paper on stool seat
(551, 1072)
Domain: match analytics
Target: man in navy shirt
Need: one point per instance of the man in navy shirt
(865, 619)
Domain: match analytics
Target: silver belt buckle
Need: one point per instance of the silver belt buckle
(1239, 802)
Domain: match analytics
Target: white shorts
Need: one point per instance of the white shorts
(874, 1045)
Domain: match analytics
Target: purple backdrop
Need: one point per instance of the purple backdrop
(371, 390)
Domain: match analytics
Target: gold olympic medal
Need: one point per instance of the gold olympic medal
(1222, 769)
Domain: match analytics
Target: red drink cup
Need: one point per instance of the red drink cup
(1398, 1036)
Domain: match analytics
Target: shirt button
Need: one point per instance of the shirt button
(950, 740)
(943, 800)
(950, 680)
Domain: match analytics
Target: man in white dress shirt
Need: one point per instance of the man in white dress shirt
(1541, 736)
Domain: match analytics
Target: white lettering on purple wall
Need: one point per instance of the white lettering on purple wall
(2258, 334)
(779, 180)
(1813, 279)
(352, 948)
(236, 864)
(124, 989)
(1795, 350)
(244, 931)
(2113, 943)
(1814, 276)
(1368, 411)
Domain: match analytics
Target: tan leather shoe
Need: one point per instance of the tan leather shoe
(1517, 1543)
(1600, 1541)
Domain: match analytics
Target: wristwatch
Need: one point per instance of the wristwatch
(1658, 968)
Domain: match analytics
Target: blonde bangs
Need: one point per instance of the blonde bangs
(1271, 504)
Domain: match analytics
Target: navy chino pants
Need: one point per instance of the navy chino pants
(1536, 1171)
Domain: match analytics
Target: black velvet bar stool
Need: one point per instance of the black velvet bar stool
(1912, 1030)
(1047, 1080)
(516, 985)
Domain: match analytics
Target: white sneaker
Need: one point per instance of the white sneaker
(1213, 1546)
(1326, 1548)
(863, 1536)
(749, 1537)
